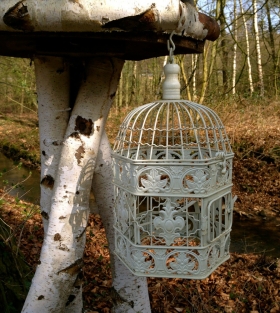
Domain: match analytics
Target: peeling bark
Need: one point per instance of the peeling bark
(53, 102)
(64, 241)
(99, 16)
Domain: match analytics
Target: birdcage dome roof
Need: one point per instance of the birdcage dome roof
(172, 130)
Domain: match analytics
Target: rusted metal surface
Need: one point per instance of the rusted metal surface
(128, 46)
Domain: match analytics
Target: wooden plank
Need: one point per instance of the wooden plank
(128, 46)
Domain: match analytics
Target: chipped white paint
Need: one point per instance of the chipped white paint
(64, 241)
(130, 288)
(90, 16)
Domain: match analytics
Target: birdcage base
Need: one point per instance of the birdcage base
(173, 261)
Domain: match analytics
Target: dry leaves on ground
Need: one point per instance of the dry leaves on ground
(245, 283)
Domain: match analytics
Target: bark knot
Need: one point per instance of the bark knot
(45, 215)
(84, 126)
(71, 298)
(57, 237)
(17, 17)
(48, 181)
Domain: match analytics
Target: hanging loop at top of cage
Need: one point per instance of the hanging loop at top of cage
(171, 48)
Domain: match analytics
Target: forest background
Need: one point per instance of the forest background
(239, 77)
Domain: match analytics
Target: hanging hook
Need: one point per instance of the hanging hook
(172, 48)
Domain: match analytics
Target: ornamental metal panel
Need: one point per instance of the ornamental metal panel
(172, 164)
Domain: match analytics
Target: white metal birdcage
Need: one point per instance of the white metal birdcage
(172, 164)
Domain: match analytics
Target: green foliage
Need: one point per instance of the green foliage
(15, 275)
(17, 86)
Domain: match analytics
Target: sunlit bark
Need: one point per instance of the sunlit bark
(52, 80)
(247, 49)
(194, 67)
(234, 49)
(96, 16)
(62, 251)
(207, 72)
(258, 48)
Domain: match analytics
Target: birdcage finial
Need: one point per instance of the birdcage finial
(171, 85)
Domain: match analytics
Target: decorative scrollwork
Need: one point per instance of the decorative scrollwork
(177, 171)
(214, 255)
(122, 212)
(140, 263)
(153, 183)
(184, 264)
(168, 223)
(200, 182)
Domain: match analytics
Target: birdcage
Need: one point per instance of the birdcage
(172, 163)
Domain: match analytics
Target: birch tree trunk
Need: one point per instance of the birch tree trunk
(272, 46)
(194, 67)
(161, 75)
(234, 49)
(222, 19)
(129, 292)
(258, 48)
(127, 79)
(134, 86)
(120, 94)
(62, 251)
(247, 49)
(52, 81)
(207, 73)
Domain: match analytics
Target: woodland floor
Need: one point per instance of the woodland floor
(245, 283)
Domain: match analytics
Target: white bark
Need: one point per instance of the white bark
(194, 67)
(258, 48)
(52, 81)
(131, 292)
(90, 15)
(62, 251)
(234, 49)
(247, 49)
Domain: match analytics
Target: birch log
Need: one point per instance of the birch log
(130, 292)
(98, 16)
(62, 251)
(52, 81)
